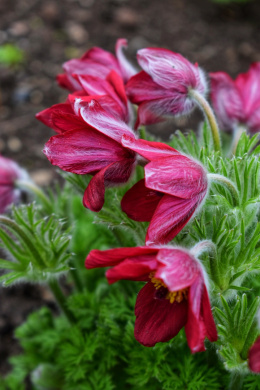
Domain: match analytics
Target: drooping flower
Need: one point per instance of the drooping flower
(254, 356)
(162, 88)
(89, 143)
(174, 296)
(173, 189)
(237, 102)
(96, 62)
(10, 173)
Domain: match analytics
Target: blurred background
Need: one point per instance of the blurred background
(37, 36)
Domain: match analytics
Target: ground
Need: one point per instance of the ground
(50, 32)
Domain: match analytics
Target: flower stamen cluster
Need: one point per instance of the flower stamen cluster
(163, 292)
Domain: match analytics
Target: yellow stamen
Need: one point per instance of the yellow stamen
(173, 296)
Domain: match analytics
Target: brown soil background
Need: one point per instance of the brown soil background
(51, 32)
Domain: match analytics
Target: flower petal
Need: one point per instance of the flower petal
(68, 82)
(111, 257)
(195, 328)
(211, 330)
(171, 215)
(139, 203)
(157, 320)
(226, 100)
(61, 118)
(83, 151)
(176, 175)
(254, 356)
(141, 87)
(118, 172)
(148, 149)
(170, 70)
(127, 69)
(135, 268)
(93, 114)
(178, 269)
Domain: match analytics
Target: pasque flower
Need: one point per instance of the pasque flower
(174, 296)
(110, 93)
(89, 143)
(10, 173)
(254, 356)
(237, 102)
(163, 87)
(173, 189)
(98, 63)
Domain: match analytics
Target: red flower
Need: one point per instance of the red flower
(98, 63)
(174, 296)
(110, 92)
(254, 357)
(89, 142)
(10, 172)
(163, 87)
(237, 102)
(172, 191)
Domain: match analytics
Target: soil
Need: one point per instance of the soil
(50, 32)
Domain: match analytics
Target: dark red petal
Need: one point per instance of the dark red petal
(94, 195)
(111, 257)
(67, 82)
(157, 320)
(141, 87)
(115, 173)
(254, 356)
(200, 322)
(61, 118)
(83, 151)
(170, 217)
(211, 330)
(135, 268)
(118, 85)
(139, 203)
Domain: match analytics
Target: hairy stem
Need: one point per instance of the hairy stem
(224, 181)
(207, 110)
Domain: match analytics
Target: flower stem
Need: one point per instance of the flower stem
(236, 381)
(60, 298)
(33, 188)
(207, 110)
(204, 246)
(208, 246)
(13, 226)
(224, 181)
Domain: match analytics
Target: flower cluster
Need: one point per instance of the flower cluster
(96, 135)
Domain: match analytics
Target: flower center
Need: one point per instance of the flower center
(163, 292)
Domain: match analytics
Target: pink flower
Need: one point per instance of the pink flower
(237, 102)
(96, 62)
(173, 189)
(254, 357)
(89, 143)
(174, 296)
(163, 87)
(10, 172)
